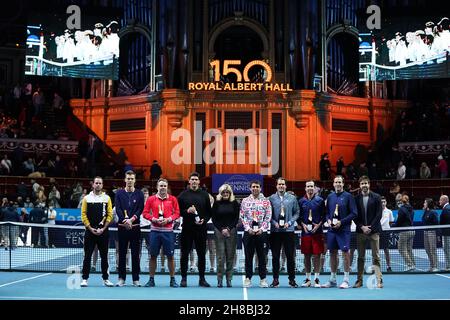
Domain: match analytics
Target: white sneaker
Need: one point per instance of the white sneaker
(306, 283)
(137, 284)
(317, 283)
(344, 285)
(247, 283)
(434, 270)
(121, 283)
(108, 283)
(263, 283)
(84, 283)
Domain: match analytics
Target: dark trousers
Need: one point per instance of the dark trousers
(90, 241)
(252, 243)
(24, 234)
(51, 237)
(36, 234)
(133, 239)
(287, 240)
(189, 236)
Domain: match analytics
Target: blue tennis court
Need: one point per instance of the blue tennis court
(53, 286)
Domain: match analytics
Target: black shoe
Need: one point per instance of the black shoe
(203, 283)
(150, 283)
(293, 284)
(183, 283)
(275, 283)
(389, 269)
(173, 283)
(219, 284)
(229, 285)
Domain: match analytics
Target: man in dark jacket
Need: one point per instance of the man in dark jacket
(445, 219)
(195, 208)
(368, 227)
(37, 215)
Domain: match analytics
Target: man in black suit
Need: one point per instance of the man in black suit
(368, 227)
(445, 220)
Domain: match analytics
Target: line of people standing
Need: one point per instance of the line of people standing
(280, 214)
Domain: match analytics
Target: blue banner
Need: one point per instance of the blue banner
(63, 214)
(417, 215)
(239, 182)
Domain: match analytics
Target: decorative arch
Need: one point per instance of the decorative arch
(331, 32)
(134, 26)
(341, 27)
(238, 21)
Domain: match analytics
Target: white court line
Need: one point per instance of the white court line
(244, 289)
(14, 282)
(441, 275)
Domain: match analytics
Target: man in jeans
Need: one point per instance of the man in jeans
(445, 220)
(368, 227)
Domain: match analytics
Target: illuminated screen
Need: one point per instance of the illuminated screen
(405, 48)
(90, 52)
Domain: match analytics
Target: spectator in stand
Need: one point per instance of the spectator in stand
(340, 166)
(155, 171)
(77, 190)
(442, 167)
(425, 172)
(58, 107)
(59, 170)
(28, 166)
(41, 197)
(54, 197)
(430, 218)
(38, 101)
(401, 171)
(363, 171)
(128, 166)
(351, 172)
(84, 194)
(325, 168)
(445, 220)
(5, 166)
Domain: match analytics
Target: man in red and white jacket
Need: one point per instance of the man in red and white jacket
(162, 210)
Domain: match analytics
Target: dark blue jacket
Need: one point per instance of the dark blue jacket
(347, 209)
(430, 218)
(317, 206)
(133, 202)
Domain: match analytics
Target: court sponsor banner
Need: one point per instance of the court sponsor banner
(239, 182)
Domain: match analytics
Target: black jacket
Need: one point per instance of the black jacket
(374, 213)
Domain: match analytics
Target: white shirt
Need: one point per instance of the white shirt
(401, 172)
(386, 218)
